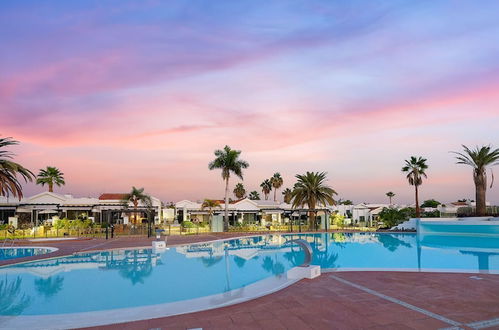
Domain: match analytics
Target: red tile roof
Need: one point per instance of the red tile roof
(113, 196)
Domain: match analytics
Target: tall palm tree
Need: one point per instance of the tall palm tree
(415, 168)
(287, 193)
(266, 188)
(479, 158)
(136, 196)
(9, 171)
(228, 161)
(50, 176)
(210, 204)
(276, 181)
(254, 195)
(390, 195)
(239, 191)
(311, 190)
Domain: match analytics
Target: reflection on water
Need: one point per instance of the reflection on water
(392, 243)
(48, 287)
(12, 300)
(12, 253)
(273, 266)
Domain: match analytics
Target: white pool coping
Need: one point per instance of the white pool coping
(111, 316)
(50, 239)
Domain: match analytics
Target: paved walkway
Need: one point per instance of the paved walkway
(339, 300)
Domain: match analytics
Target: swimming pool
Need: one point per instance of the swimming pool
(142, 283)
(7, 253)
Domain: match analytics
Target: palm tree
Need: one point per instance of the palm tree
(228, 161)
(276, 181)
(254, 195)
(479, 159)
(9, 183)
(210, 204)
(135, 197)
(50, 176)
(239, 191)
(390, 195)
(415, 168)
(287, 193)
(266, 188)
(311, 190)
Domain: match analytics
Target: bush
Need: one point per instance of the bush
(338, 220)
(188, 224)
(392, 217)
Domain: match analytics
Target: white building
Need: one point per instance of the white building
(246, 211)
(47, 205)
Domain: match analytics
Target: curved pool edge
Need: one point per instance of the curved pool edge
(114, 316)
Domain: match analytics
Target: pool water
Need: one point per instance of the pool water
(142, 277)
(7, 253)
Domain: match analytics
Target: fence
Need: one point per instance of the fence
(168, 230)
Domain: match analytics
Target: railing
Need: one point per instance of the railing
(142, 230)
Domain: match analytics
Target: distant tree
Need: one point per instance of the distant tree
(9, 171)
(266, 186)
(431, 203)
(228, 161)
(288, 194)
(276, 181)
(392, 217)
(210, 205)
(390, 195)
(345, 202)
(254, 195)
(50, 176)
(136, 196)
(415, 168)
(479, 158)
(239, 191)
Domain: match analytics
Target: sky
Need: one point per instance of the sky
(140, 93)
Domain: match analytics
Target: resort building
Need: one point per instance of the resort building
(246, 211)
(48, 205)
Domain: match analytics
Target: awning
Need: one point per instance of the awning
(21, 210)
(48, 212)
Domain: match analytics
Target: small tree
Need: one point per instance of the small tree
(50, 176)
(431, 203)
(210, 205)
(390, 195)
(254, 195)
(239, 191)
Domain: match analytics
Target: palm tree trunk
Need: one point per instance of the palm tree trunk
(226, 219)
(480, 190)
(51, 187)
(275, 191)
(390, 200)
(418, 211)
(311, 225)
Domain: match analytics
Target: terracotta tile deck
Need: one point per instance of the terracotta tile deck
(332, 303)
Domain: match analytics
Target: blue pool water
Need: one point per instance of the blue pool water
(132, 278)
(7, 253)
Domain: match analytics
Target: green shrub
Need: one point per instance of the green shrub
(188, 224)
(338, 220)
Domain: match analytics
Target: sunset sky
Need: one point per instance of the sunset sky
(121, 93)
